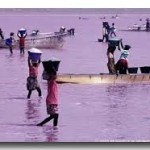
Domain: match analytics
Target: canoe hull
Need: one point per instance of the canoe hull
(100, 79)
(40, 41)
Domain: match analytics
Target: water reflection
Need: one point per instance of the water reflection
(117, 89)
(51, 133)
(33, 110)
(117, 108)
(32, 114)
(34, 133)
(117, 95)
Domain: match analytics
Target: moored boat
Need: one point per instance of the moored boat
(102, 78)
(134, 30)
(40, 40)
(137, 28)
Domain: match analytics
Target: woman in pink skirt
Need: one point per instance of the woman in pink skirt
(51, 100)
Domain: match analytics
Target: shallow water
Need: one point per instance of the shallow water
(88, 113)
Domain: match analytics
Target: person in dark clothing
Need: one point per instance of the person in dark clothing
(1, 34)
(147, 25)
(112, 31)
(106, 31)
(111, 59)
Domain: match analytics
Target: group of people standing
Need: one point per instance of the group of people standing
(10, 42)
(122, 64)
(32, 79)
(109, 35)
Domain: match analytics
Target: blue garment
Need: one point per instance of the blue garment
(8, 41)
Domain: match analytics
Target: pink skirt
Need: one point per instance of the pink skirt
(52, 109)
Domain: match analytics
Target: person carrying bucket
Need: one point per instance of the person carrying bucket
(111, 59)
(22, 33)
(33, 63)
(122, 64)
(51, 69)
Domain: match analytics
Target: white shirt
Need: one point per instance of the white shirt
(124, 54)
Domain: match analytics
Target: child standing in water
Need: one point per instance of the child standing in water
(32, 82)
(112, 31)
(22, 33)
(9, 42)
(51, 100)
(22, 44)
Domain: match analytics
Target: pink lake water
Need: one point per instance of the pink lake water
(87, 113)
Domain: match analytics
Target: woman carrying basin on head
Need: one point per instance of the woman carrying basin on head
(32, 82)
(51, 68)
(51, 99)
(111, 59)
(34, 60)
(22, 33)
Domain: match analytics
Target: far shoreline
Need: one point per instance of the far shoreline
(76, 10)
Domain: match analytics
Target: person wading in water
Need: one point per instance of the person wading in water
(111, 59)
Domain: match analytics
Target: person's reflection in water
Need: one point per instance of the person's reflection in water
(117, 96)
(50, 133)
(117, 90)
(32, 111)
(47, 133)
(32, 114)
(117, 110)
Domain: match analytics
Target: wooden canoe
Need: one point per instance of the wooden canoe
(42, 40)
(102, 78)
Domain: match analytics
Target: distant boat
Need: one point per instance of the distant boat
(102, 17)
(136, 27)
(115, 17)
(40, 40)
(83, 18)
